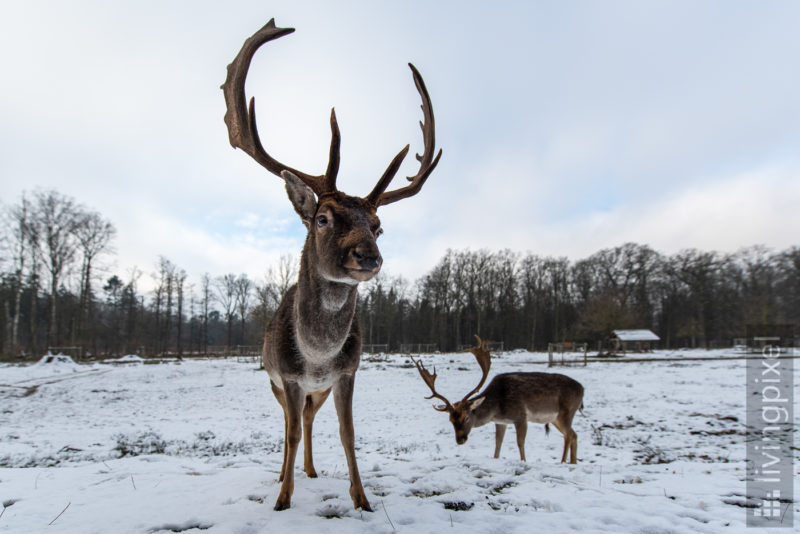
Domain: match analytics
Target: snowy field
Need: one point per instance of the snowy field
(196, 446)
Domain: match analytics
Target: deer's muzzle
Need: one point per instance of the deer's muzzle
(365, 258)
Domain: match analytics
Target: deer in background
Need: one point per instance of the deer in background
(312, 345)
(513, 399)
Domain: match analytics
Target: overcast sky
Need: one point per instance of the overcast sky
(567, 127)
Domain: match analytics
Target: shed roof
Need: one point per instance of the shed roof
(636, 335)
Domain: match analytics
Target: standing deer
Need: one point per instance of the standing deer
(513, 398)
(313, 343)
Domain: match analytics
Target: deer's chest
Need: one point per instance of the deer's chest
(317, 366)
(318, 378)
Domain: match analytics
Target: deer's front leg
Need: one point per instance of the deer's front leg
(499, 434)
(313, 403)
(279, 394)
(343, 399)
(294, 398)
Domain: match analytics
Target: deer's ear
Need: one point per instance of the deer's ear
(302, 197)
(477, 402)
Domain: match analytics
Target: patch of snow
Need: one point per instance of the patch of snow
(57, 362)
(129, 358)
(197, 447)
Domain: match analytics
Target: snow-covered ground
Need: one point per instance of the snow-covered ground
(196, 445)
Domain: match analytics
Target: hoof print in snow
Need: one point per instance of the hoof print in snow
(427, 492)
(496, 486)
(182, 527)
(521, 469)
(458, 506)
(332, 511)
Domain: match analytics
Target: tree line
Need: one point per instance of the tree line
(54, 294)
(692, 298)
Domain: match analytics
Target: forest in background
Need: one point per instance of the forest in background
(53, 294)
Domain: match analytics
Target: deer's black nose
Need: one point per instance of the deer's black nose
(367, 257)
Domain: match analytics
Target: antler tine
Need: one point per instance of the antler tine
(241, 119)
(481, 352)
(379, 196)
(429, 379)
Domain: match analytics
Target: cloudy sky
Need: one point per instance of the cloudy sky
(566, 127)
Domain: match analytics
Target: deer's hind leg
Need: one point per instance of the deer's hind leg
(564, 425)
(313, 403)
(522, 429)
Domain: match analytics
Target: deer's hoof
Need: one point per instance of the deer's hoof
(283, 503)
(360, 501)
(365, 507)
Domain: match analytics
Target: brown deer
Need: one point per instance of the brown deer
(513, 398)
(313, 343)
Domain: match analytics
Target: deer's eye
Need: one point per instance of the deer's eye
(377, 231)
(322, 220)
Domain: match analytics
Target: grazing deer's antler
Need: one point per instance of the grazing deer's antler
(481, 352)
(241, 121)
(379, 196)
(429, 379)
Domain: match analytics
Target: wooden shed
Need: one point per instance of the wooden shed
(634, 340)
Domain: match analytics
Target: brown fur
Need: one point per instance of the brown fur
(321, 313)
(519, 398)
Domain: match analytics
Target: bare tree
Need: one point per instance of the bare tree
(131, 303)
(277, 281)
(287, 274)
(244, 288)
(94, 235)
(20, 243)
(788, 284)
(206, 295)
(226, 296)
(179, 280)
(698, 273)
(164, 280)
(56, 219)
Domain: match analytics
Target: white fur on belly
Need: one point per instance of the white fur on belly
(541, 417)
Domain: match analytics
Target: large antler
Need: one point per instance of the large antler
(241, 121)
(481, 352)
(429, 380)
(379, 196)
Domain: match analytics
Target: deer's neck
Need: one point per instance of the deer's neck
(323, 312)
(485, 413)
